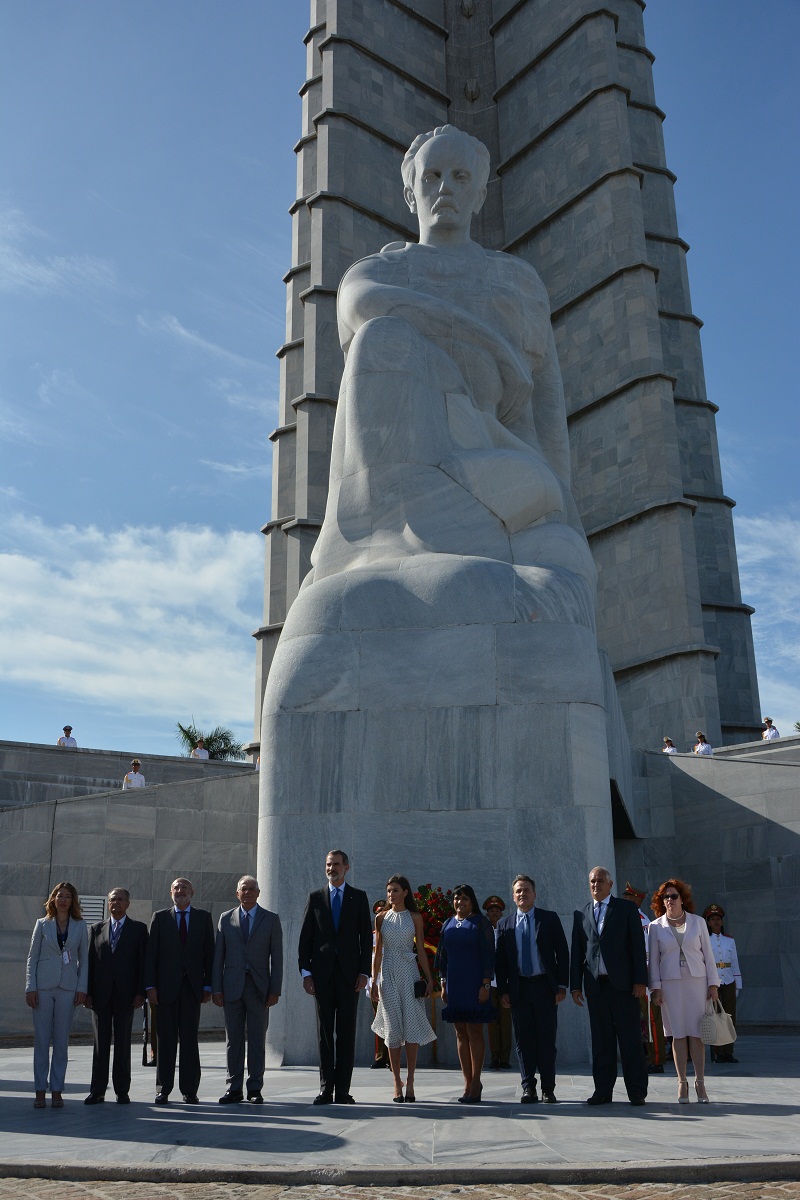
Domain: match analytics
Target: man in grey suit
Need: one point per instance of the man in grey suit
(180, 954)
(246, 981)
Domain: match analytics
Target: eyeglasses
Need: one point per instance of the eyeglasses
(671, 896)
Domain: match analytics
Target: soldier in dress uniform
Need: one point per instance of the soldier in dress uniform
(730, 977)
(499, 1030)
(652, 1021)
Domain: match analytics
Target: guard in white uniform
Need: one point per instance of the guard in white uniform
(134, 778)
(769, 734)
(730, 977)
(67, 740)
(702, 746)
(669, 748)
(199, 750)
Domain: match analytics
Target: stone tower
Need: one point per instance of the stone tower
(561, 91)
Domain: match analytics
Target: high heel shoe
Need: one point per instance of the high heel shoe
(683, 1091)
(700, 1088)
(398, 1099)
(410, 1097)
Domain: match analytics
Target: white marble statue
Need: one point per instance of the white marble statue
(451, 433)
(436, 697)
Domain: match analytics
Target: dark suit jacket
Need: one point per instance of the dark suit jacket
(167, 961)
(551, 944)
(123, 970)
(621, 943)
(322, 946)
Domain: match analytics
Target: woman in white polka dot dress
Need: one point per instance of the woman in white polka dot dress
(400, 1019)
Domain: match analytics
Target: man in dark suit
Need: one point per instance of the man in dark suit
(610, 963)
(532, 970)
(246, 982)
(180, 954)
(334, 955)
(116, 987)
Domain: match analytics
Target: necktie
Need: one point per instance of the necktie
(527, 957)
(114, 935)
(336, 908)
(245, 926)
(183, 929)
(598, 915)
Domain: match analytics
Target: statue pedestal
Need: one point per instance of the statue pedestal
(464, 744)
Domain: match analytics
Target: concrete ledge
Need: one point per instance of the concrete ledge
(765, 1168)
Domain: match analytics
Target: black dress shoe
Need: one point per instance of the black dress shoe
(728, 1058)
(92, 1099)
(324, 1098)
(549, 1097)
(191, 1098)
(378, 1064)
(529, 1096)
(598, 1098)
(123, 1098)
(255, 1097)
(161, 1098)
(638, 1101)
(345, 1099)
(232, 1098)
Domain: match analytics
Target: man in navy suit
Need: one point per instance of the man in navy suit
(532, 970)
(180, 955)
(335, 956)
(116, 987)
(610, 963)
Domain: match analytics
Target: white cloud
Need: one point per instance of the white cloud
(241, 470)
(23, 270)
(769, 566)
(150, 621)
(166, 323)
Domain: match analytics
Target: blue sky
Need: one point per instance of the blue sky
(146, 169)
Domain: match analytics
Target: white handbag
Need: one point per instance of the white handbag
(716, 1026)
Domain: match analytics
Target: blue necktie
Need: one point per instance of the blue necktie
(245, 926)
(115, 931)
(336, 908)
(527, 957)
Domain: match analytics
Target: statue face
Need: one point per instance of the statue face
(447, 190)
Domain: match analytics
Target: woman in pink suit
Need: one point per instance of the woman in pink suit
(683, 976)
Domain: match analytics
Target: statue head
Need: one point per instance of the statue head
(445, 172)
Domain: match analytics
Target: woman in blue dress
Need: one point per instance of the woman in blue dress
(465, 961)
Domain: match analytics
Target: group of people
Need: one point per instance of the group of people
(519, 964)
(703, 747)
(114, 966)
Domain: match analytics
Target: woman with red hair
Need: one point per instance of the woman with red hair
(683, 977)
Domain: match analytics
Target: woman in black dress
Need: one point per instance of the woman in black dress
(465, 961)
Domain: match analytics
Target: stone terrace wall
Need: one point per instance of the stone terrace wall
(730, 826)
(31, 772)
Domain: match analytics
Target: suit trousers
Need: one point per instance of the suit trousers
(500, 1032)
(535, 1016)
(52, 1021)
(179, 1021)
(116, 1017)
(615, 1018)
(337, 1007)
(248, 1016)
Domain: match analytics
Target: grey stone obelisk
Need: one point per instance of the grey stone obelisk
(561, 92)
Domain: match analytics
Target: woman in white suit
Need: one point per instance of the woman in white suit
(55, 983)
(683, 976)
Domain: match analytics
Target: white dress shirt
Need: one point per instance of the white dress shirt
(770, 734)
(133, 779)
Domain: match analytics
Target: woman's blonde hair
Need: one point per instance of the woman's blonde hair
(50, 902)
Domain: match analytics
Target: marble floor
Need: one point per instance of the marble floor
(754, 1114)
